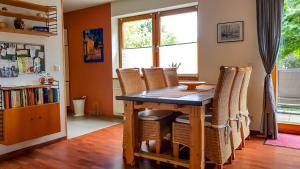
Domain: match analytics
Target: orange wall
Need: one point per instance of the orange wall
(93, 80)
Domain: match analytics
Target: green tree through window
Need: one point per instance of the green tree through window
(289, 53)
(138, 34)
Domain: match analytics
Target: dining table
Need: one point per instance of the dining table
(177, 99)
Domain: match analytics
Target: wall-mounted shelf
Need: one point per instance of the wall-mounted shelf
(28, 87)
(27, 32)
(50, 19)
(28, 5)
(26, 16)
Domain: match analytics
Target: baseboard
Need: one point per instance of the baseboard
(20, 152)
(255, 133)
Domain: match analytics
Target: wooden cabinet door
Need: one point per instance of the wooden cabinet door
(26, 123)
(48, 119)
(18, 125)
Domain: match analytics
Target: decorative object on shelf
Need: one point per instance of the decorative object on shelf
(19, 23)
(4, 9)
(26, 58)
(231, 31)
(3, 25)
(42, 79)
(41, 15)
(93, 45)
(50, 80)
(40, 28)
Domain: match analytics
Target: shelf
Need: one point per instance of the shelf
(26, 16)
(32, 106)
(27, 87)
(27, 32)
(28, 5)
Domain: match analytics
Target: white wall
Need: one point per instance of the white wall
(54, 56)
(127, 7)
(212, 55)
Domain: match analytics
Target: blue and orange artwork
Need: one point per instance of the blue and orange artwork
(93, 45)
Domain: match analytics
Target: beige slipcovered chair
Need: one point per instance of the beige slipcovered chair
(234, 111)
(244, 113)
(217, 130)
(171, 77)
(153, 124)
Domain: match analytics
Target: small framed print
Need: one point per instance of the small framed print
(231, 31)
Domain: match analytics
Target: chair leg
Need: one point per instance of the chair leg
(240, 146)
(175, 151)
(243, 143)
(233, 155)
(230, 160)
(157, 148)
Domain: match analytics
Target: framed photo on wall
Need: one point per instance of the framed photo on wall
(230, 31)
(93, 45)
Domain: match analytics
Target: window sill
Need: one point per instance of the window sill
(194, 77)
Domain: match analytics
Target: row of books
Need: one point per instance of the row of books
(29, 97)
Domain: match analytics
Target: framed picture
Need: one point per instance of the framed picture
(231, 31)
(93, 45)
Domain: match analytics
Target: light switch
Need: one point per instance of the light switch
(56, 68)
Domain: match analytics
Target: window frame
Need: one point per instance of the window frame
(156, 38)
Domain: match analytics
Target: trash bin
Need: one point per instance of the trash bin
(78, 104)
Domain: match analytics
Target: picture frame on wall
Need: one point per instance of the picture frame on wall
(230, 32)
(93, 45)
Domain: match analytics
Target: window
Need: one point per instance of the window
(137, 43)
(161, 39)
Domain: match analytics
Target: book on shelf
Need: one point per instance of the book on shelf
(15, 98)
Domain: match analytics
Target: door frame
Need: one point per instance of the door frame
(283, 127)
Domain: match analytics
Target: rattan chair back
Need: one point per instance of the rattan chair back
(130, 81)
(171, 77)
(154, 78)
(220, 107)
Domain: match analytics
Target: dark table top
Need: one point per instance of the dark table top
(161, 96)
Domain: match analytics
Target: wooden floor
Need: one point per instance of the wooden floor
(103, 150)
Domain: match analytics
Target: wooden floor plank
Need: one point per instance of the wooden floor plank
(103, 150)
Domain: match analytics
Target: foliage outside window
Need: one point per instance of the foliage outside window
(174, 42)
(289, 53)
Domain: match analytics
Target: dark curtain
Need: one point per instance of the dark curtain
(269, 15)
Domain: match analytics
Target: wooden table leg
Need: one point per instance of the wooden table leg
(197, 120)
(131, 124)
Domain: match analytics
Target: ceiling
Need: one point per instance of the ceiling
(72, 5)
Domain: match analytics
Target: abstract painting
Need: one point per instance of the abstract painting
(93, 45)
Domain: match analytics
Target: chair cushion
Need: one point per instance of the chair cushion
(153, 115)
(185, 119)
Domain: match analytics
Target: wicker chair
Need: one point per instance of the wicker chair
(153, 124)
(234, 113)
(244, 113)
(217, 130)
(154, 78)
(171, 77)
